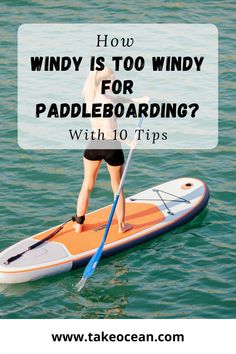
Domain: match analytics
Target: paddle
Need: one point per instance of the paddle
(36, 244)
(92, 264)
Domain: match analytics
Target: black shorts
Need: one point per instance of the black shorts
(114, 157)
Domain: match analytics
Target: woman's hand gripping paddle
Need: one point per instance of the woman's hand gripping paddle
(91, 266)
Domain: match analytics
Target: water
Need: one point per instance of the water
(188, 273)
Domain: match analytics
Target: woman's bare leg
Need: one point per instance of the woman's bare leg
(115, 174)
(90, 173)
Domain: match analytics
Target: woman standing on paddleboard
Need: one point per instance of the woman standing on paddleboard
(98, 150)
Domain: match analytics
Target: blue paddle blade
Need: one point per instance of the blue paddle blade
(92, 264)
(81, 284)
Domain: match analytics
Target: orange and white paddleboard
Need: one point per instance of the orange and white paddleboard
(151, 212)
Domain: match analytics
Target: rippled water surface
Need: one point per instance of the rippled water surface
(188, 273)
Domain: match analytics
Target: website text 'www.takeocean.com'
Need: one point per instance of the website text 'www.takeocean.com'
(111, 337)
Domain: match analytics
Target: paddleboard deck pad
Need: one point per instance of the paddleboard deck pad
(152, 213)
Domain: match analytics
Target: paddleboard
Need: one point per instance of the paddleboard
(152, 213)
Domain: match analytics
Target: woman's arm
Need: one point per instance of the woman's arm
(123, 99)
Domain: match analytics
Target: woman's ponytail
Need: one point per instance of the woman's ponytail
(88, 92)
(92, 83)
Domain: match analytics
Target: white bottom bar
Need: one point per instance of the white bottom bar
(172, 336)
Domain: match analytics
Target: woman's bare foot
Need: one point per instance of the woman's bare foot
(78, 227)
(125, 227)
